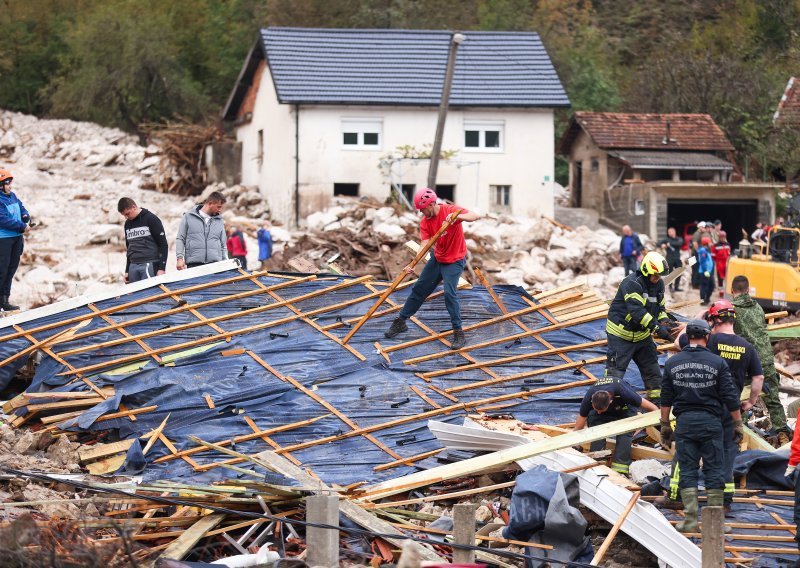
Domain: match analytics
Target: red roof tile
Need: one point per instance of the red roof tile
(788, 111)
(647, 131)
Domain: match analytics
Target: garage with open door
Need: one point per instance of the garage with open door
(735, 215)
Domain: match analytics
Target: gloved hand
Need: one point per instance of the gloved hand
(738, 432)
(663, 333)
(789, 470)
(667, 435)
(707, 274)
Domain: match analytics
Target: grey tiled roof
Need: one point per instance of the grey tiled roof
(407, 67)
(672, 160)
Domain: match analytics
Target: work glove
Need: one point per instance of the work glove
(738, 432)
(663, 333)
(789, 470)
(667, 435)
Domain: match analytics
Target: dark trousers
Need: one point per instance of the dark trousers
(621, 460)
(706, 287)
(729, 448)
(797, 505)
(699, 435)
(141, 271)
(10, 253)
(619, 355)
(675, 264)
(629, 262)
(242, 261)
(433, 273)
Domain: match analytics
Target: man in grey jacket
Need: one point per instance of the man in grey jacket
(201, 235)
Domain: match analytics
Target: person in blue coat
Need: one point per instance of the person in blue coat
(264, 245)
(705, 269)
(14, 221)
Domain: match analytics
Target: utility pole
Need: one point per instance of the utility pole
(455, 41)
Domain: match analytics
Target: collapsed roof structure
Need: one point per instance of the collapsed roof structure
(186, 375)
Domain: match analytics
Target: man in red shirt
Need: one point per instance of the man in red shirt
(721, 253)
(445, 265)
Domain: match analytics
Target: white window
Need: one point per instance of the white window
(500, 198)
(486, 136)
(362, 133)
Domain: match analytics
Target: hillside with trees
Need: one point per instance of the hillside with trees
(126, 63)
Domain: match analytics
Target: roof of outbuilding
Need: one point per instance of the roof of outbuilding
(788, 111)
(647, 131)
(654, 159)
(405, 67)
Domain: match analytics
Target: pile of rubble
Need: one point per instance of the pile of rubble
(365, 237)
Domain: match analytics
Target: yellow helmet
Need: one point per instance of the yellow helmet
(653, 263)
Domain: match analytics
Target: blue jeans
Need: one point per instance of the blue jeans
(433, 273)
(699, 435)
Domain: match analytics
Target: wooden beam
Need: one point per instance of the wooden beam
(598, 557)
(472, 465)
(182, 545)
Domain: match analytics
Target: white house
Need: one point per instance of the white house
(322, 112)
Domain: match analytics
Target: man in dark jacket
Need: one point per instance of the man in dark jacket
(698, 388)
(607, 400)
(636, 313)
(14, 221)
(145, 240)
(630, 247)
(672, 251)
(201, 234)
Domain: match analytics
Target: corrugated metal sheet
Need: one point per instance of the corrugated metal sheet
(672, 160)
(407, 67)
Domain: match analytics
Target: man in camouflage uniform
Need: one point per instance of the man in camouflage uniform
(751, 325)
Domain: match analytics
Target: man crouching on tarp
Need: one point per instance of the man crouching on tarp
(607, 400)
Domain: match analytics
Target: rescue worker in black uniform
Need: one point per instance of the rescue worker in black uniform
(636, 313)
(742, 360)
(698, 388)
(608, 400)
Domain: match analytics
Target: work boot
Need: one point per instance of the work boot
(783, 437)
(6, 307)
(716, 498)
(666, 503)
(398, 327)
(689, 522)
(458, 339)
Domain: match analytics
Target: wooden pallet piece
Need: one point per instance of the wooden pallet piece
(182, 545)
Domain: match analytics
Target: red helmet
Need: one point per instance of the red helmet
(424, 197)
(723, 235)
(721, 308)
(5, 175)
(705, 241)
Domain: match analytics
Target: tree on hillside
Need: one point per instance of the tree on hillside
(122, 67)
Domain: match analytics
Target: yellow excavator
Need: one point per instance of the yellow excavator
(772, 268)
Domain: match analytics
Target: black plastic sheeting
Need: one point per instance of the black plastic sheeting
(364, 391)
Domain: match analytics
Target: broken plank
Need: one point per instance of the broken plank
(181, 546)
(103, 450)
(349, 509)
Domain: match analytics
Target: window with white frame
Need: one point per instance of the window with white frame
(500, 197)
(483, 135)
(362, 133)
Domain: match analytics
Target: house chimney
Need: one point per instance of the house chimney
(667, 139)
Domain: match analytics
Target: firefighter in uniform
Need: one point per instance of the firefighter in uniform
(742, 360)
(608, 400)
(636, 313)
(698, 388)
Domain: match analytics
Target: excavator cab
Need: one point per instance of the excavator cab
(773, 270)
(783, 244)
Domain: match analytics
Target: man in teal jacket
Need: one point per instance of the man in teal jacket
(14, 221)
